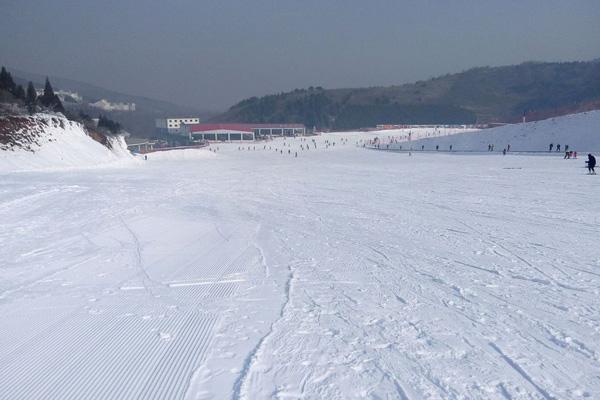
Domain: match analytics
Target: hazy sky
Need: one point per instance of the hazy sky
(211, 54)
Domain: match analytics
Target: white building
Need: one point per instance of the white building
(174, 125)
(106, 105)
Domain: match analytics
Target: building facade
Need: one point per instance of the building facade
(174, 126)
(240, 132)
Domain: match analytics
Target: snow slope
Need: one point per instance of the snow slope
(60, 143)
(341, 273)
(580, 131)
(181, 155)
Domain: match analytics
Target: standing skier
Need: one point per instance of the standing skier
(550, 147)
(591, 163)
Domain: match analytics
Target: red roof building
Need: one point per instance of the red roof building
(240, 131)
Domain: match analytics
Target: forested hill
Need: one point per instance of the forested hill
(485, 94)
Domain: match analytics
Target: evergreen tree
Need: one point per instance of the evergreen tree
(6, 81)
(57, 105)
(110, 125)
(20, 92)
(31, 97)
(49, 99)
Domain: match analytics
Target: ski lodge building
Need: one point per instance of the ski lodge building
(173, 126)
(240, 132)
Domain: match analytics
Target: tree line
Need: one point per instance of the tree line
(47, 101)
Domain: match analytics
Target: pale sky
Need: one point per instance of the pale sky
(211, 54)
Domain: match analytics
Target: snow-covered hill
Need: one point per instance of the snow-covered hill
(46, 141)
(580, 131)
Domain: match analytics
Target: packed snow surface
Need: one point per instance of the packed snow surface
(63, 144)
(340, 273)
(580, 131)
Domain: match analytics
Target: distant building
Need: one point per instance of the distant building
(173, 126)
(140, 145)
(240, 132)
(66, 96)
(106, 105)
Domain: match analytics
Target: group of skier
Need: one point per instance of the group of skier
(551, 146)
(305, 145)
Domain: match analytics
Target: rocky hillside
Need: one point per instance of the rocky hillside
(479, 95)
(43, 141)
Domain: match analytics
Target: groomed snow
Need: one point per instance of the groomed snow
(341, 273)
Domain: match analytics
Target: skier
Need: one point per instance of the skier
(422, 147)
(551, 146)
(508, 147)
(450, 147)
(558, 147)
(146, 157)
(591, 163)
(503, 152)
(437, 148)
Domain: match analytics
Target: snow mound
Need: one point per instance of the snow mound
(580, 131)
(46, 141)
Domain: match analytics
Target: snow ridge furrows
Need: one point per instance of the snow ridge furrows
(169, 378)
(521, 372)
(238, 386)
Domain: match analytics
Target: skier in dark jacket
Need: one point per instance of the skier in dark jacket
(591, 163)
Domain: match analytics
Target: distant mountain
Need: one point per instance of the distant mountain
(139, 122)
(485, 94)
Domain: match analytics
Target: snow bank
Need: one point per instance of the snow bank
(580, 131)
(46, 141)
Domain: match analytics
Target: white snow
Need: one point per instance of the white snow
(341, 273)
(400, 135)
(580, 131)
(180, 155)
(64, 147)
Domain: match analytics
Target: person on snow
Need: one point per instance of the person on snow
(558, 147)
(591, 163)
(550, 147)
